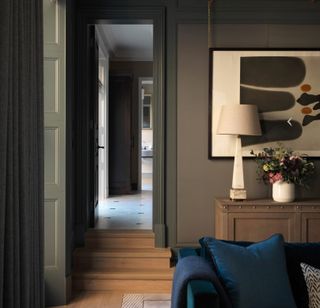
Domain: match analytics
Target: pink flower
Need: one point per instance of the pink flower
(276, 177)
(294, 157)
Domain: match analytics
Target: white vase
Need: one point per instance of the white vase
(283, 191)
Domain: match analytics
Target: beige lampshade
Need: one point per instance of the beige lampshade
(238, 119)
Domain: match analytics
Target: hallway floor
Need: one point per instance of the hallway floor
(128, 211)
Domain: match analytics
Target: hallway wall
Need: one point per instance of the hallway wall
(136, 69)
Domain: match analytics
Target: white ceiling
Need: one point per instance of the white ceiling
(128, 42)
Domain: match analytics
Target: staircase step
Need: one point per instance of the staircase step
(126, 274)
(119, 233)
(119, 239)
(128, 281)
(147, 258)
(122, 260)
(124, 252)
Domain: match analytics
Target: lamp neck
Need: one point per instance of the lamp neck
(237, 178)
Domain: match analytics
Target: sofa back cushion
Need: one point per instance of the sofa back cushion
(254, 276)
(296, 253)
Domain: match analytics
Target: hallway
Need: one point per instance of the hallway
(132, 212)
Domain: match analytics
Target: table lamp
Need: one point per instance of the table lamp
(239, 120)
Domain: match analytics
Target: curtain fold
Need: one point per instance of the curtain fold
(21, 154)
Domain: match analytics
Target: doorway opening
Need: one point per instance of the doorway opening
(146, 132)
(126, 120)
(86, 144)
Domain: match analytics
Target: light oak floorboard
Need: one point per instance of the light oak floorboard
(95, 300)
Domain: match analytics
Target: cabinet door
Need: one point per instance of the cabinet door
(259, 226)
(310, 227)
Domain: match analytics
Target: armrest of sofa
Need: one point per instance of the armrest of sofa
(202, 293)
(194, 282)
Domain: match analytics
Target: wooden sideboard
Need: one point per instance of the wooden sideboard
(255, 220)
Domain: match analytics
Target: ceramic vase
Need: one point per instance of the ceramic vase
(283, 191)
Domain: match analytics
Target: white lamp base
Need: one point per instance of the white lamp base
(238, 194)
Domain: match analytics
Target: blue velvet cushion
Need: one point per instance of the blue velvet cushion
(254, 276)
(296, 253)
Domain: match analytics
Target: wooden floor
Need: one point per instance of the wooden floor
(96, 300)
(110, 299)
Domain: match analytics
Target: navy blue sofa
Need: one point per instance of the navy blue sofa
(196, 283)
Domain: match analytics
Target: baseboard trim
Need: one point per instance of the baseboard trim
(79, 232)
(69, 288)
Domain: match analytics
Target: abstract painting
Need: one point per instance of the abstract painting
(285, 86)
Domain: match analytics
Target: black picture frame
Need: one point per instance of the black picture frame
(225, 69)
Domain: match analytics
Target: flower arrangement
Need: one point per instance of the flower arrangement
(281, 164)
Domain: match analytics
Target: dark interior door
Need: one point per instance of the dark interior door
(94, 125)
(120, 137)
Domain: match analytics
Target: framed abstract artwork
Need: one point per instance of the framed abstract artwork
(285, 86)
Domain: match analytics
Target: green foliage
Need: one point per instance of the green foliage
(282, 164)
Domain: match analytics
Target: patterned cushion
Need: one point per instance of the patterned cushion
(312, 277)
(297, 253)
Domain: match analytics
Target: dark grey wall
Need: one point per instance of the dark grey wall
(200, 180)
(136, 69)
(192, 181)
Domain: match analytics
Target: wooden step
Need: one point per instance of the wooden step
(126, 281)
(122, 260)
(143, 258)
(126, 274)
(119, 239)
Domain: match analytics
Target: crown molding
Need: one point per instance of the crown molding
(250, 11)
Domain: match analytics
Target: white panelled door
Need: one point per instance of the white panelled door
(54, 157)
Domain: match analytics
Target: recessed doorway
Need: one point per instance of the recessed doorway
(126, 115)
(86, 197)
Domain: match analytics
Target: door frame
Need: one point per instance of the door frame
(93, 80)
(99, 15)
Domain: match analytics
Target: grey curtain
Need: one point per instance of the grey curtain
(21, 154)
